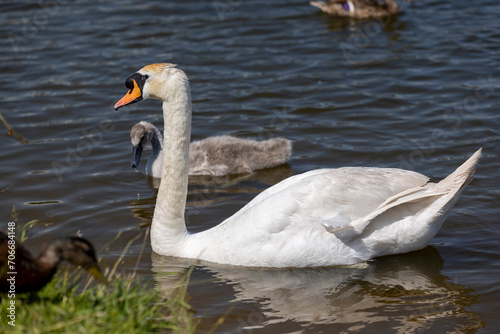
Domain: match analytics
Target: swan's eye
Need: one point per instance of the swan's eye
(146, 77)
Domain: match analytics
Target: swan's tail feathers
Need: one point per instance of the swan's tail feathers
(397, 207)
(278, 151)
(456, 180)
(462, 175)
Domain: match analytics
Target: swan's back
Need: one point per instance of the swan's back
(334, 217)
(354, 191)
(286, 225)
(230, 155)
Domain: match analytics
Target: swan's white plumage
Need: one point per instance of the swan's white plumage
(289, 219)
(319, 218)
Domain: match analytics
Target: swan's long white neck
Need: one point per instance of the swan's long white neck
(168, 230)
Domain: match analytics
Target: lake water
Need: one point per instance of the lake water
(420, 91)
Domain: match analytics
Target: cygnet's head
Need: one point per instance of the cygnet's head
(140, 134)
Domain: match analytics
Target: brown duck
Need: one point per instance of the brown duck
(33, 273)
(359, 9)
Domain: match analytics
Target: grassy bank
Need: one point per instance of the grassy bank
(73, 303)
(123, 307)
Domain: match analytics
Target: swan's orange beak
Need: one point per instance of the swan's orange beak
(133, 95)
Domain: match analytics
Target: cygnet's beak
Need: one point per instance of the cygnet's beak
(136, 153)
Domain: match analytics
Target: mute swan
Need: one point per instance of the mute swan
(215, 156)
(322, 217)
(34, 273)
(359, 9)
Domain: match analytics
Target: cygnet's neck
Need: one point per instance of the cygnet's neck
(156, 140)
(168, 230)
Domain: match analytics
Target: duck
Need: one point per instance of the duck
(213, 156)
(323, 217)
(31, 273)
(359, 9)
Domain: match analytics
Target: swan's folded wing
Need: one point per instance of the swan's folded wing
(335, 221)
(331, 198)
(449, 187)
(358, 226)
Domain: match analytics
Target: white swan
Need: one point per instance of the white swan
(215, 156)
(323, 217)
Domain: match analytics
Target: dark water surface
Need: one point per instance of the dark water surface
(420, 91)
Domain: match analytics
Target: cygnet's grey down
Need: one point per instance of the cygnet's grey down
(215, 156)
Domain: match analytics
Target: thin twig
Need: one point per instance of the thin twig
(125, 250)
(140, 254)
(10, 130)
(4, 190)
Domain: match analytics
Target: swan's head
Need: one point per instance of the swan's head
(152, 82)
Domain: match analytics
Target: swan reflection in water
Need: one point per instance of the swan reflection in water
(405, 293)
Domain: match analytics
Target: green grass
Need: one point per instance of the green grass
(122, 307)
(69, 304)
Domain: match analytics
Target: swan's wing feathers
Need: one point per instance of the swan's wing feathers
(358, 191)
(325, 199)
(358, 226)
(347, 233)
(401, 204)
(401, 195)
(335, 221)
